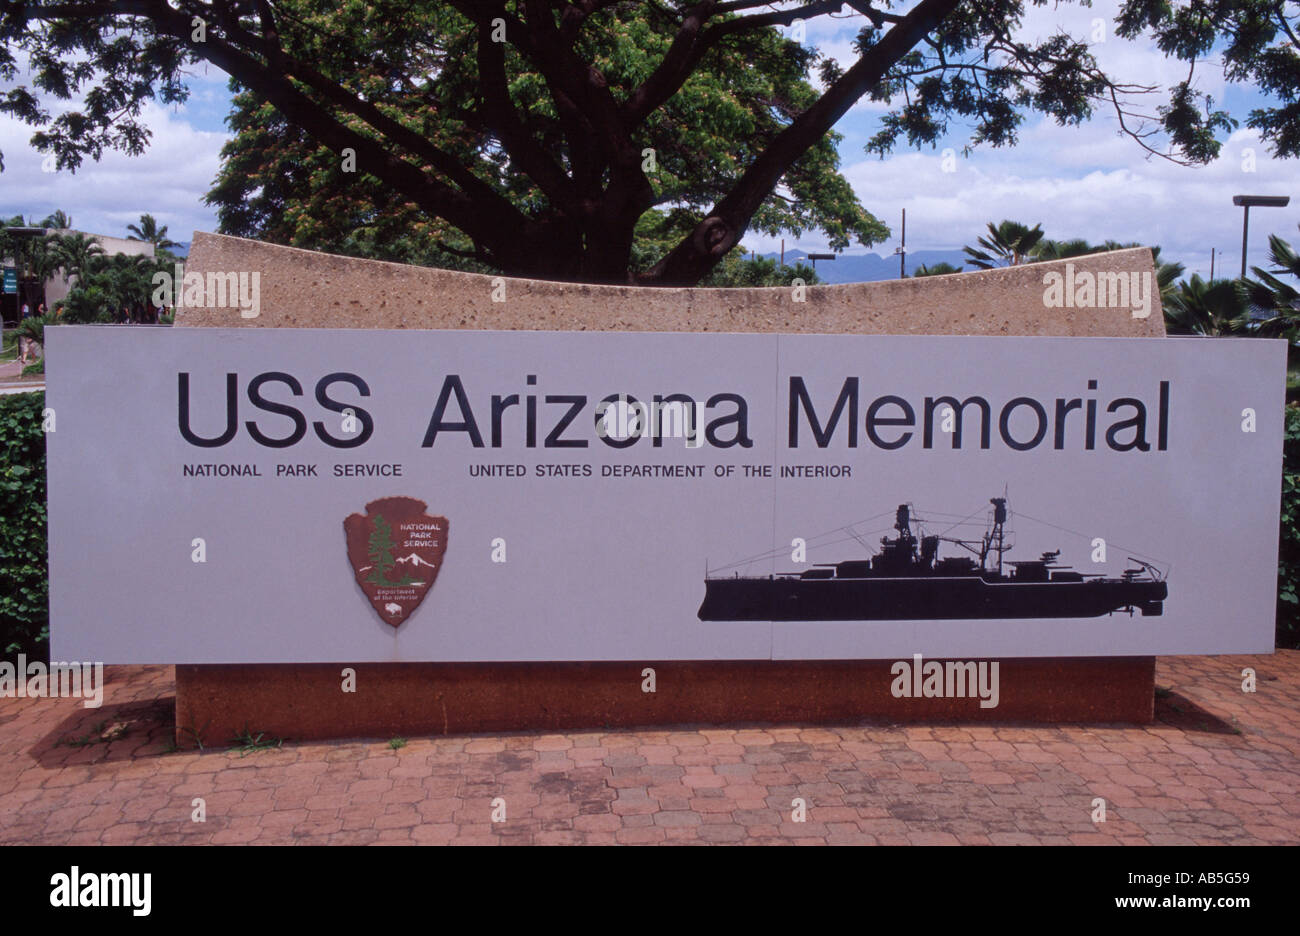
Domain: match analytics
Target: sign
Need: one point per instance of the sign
(396, 584)
(11, 280)
(306, 495)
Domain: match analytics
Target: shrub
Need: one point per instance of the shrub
(1288, 566)
(24, 570)
(33, 328)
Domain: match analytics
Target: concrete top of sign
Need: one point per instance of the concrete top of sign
(1105, 294)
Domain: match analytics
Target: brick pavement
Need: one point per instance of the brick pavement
(1218, 766)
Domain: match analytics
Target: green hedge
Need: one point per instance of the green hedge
(1288, 565)
(24, 572)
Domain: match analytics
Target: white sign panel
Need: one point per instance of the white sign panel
(300, 495)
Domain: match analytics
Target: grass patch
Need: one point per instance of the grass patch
(197, 733)
(397, 743)
(246, 742)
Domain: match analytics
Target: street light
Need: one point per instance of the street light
(814, 257)
(1246, 202)
(901, 250)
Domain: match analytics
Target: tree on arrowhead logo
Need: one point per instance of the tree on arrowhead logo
(396, 551)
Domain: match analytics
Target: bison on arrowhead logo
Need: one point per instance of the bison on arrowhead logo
(396, 551)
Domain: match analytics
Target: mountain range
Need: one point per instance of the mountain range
(867, 268)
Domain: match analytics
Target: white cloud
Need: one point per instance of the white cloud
(1054, 178)
(167, 181)
(1089, 181)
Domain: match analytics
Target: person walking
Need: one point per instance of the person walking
(24, 343)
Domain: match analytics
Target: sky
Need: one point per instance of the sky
(1088, 181)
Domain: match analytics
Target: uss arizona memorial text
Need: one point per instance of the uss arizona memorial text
(551, 420)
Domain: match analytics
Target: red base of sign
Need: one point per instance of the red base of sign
(308, 701)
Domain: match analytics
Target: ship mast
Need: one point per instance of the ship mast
(903, 522)
(994, 538)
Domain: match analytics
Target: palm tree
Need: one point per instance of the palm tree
(109, 284)
(128, 280)
(1197, 307)
(59, 221)
(1008, 244)
(1273, 305)
(1062, 250)
(43, 259)
(936, 269)
(148, 230)
(86, 304)
(77, 252)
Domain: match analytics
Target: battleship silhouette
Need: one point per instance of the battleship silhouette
(907, 580)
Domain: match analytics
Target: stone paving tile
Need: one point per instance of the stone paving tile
(1218, 766)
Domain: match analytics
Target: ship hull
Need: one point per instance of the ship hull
(922, 598)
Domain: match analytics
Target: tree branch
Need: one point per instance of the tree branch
(501, 116)
(477, 209)
(713, 237)
(691, 44)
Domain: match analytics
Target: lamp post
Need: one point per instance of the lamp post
(901, 250)
(1246, 202)
(814, 257)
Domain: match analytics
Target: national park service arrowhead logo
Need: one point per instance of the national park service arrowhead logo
(396, 550)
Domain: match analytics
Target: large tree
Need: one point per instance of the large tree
(541, 131)
(1255, 42)
(278, 183)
